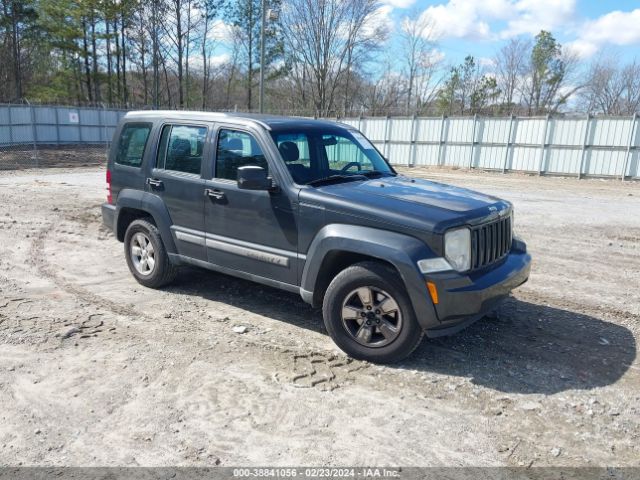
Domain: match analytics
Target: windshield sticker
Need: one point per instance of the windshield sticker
(361, 139)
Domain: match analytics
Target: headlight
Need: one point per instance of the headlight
(457, 248)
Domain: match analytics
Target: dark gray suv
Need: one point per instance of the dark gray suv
(313, 208)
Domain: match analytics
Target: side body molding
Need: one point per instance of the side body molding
(402, 251)
(154, 206)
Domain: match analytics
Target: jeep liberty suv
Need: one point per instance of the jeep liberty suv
(310, 207)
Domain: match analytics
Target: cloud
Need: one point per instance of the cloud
(457, 19)
(531, 16)
(381, 18)
(221, 32)
(486, 62)
(581, 48)
(399, 3)
(221, 59)
(614, 28)
(195, 60)
(472, 19)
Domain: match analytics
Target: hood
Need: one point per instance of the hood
(407, 200)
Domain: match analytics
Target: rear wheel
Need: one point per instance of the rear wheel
(369, 315)
(146, 256)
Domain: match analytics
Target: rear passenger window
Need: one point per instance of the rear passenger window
(181, 148)
(237, 149)
(132, 143)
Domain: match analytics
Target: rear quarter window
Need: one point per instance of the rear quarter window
(132, 144)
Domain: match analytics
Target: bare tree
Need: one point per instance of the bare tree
(176, 25)
(631, 95)
(207, 44)
(510, 68)
(611, 88)
(383, 94)
(418, 40)
(321, 37)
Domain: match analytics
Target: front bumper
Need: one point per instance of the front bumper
(465, 298)
(109, 215)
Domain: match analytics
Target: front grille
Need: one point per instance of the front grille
(490, 242)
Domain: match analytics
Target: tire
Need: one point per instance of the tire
(144, 235)
(393, 332)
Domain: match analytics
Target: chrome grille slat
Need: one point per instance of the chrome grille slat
(490, 242)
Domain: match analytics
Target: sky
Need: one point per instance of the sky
(481, 27)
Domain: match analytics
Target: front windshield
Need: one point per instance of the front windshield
(314, 155)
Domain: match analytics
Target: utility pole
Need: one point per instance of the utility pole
(262, 27)
(156, 73)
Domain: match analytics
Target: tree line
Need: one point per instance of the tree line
(321, 57)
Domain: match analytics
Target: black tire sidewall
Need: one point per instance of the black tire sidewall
(158, 276)
(383, 278)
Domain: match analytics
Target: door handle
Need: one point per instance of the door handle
(214, 193)
(154, 183)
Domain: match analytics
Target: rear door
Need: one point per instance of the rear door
(127, 155)
(248, 230)
(177, 179)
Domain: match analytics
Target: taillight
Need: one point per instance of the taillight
(109, 195)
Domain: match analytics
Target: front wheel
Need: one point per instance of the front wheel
(369, 315)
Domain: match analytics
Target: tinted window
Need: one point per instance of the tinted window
(320, 153)
(132, 143)
(236, 149)
(181, 148)
(294, 150)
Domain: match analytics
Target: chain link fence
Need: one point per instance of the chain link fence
(33, 136)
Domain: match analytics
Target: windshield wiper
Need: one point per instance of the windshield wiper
(335, 178)
(376, 174)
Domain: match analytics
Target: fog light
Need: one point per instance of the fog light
(433, 291)
(430, 265)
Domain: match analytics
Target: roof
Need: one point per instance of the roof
(270, 122)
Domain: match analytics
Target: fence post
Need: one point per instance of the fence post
(584, 144)
(34, 132)
(413, 147)
(441, 142)
(543, 145)
(55, 109)
(79, 127)
(360, 122)
(10, 125)
(473, 139)
(508, 145)
(387, 140)
(632, 136)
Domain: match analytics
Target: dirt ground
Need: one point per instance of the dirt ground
(74, 155)
(97, 370)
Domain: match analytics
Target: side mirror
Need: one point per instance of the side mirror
(252, 177)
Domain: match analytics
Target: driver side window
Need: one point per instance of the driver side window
(237, 149)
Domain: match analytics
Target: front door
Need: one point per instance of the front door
(177, 179)
(251, 231)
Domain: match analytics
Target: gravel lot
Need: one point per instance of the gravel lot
(97, 370)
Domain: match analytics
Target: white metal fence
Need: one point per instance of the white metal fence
(588, 146)
(32, 136)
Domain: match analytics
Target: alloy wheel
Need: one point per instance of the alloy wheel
(371, 316)
(142, 253)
